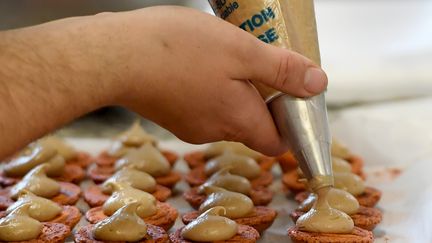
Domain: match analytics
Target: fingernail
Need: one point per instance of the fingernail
(315, 80)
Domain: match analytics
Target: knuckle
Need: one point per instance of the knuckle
(290, 72)
(282, 75)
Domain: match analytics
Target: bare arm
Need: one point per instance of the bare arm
(49, 75)
(183, 69)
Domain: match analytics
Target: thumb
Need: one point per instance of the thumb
(286, 71)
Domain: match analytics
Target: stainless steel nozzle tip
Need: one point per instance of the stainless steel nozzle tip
(304, 126)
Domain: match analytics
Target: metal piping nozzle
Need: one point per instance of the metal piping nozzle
(304, 126)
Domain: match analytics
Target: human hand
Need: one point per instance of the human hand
(190, 73)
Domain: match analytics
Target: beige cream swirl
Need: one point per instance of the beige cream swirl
(135, 178)
(19, 226)
(40, 208)
(337, 199)
(338, 165)
(123, 225)
(134, 137)
(226, 180)
(324, 219)
(123, 194)
(218, 148)
(240, 165)
(148, 159)
(349, 182)
(222, 228)
(63, 149)
(237, 205)
(37, 182)
(340, 150)
(35, 154)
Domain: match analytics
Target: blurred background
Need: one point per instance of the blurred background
(374, 51)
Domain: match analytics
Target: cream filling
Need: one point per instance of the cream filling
(239, 165)
(340, 150)
(123, 225)
(237, 205)
(35, 154)
(218, 148)
(134, 137)
(135, 178)
(148, 159)
(349, 182)
(63, 149)
(118, 150)
(19, 226)
(40, 208)
(210, 226)
(124, 194)
(324, 219)
(228, 181)
(37, 182)
(337, 199)
(338, 165)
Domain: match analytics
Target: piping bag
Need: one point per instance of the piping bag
(302, 122)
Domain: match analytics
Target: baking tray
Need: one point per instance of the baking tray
(388, 179)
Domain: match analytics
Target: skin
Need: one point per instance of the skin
(183, 69)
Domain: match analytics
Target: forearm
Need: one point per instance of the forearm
(49, 75)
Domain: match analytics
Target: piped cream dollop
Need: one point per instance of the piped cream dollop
(340, 150)
(337, 199)
(323, 218)
(228, 181)
(19, 226)
(123, 225)
(123, 194)
(134, 137)
(33, 155)
(218, 148)
(349, 182)
(40, 208)
(148, 159)
(240, 165)
(210, 226)
(135, 178)
(63, 149)
(37, 182)
(237, 205)
(338, 165)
